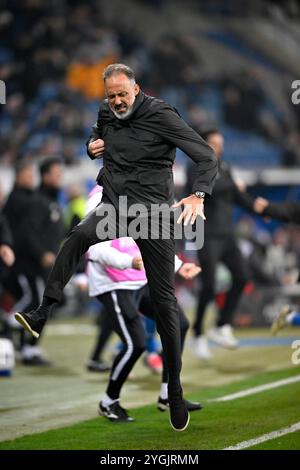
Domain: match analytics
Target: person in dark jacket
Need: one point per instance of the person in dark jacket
(25, 278)
(49, 221)
(7, 259)
(220, 245)
(7, 256)
(286, 212)
(46, 220)
(6, 242)
(37, 226)
(18, 213)
(137, 136)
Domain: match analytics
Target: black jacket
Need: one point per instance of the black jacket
(219, 209)
(5, 233)
(48, 220)
(18, 211)
(140, 152)
(5, 239)
(286, 211)
(36, 223)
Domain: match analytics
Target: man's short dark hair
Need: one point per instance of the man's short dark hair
(48, 163)
(115, 69)
(22, 163)
(207, 131)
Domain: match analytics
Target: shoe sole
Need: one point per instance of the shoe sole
(182, 429)
(97, 371)
(164, 408)
(230, 347)
(20, 319)
(204, 358)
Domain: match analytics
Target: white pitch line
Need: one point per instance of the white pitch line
(260, 388)
(265, 437)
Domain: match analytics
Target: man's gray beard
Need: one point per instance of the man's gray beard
(122, 115)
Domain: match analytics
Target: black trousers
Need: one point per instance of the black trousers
(147, 308)
(105, 332)
(218, 249)
(158, 258)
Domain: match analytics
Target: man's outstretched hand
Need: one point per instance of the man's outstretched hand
(193, 206)
(7, 255)
(137, 263)
(96, 148)
(189, 270)
(260, 204)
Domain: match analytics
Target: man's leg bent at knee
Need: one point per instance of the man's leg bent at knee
(77, 243)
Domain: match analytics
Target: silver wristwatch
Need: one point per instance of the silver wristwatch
(200, 194)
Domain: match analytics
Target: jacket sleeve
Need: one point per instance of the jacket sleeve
(96, 132)
(244, 199)
(227, 184)
(106, 255)
(175, 130)
(5, 233)
(286, 212)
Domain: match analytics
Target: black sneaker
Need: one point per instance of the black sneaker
(179, 415)
(36, 360)
(97, 366)
(114, 412)
(163, 405)
(33, 321)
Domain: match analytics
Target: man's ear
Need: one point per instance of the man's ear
(136, 89)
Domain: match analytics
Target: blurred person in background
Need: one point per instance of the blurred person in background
(50, 222)
(220, 244)
(7, 259)
(287, 316)
(75, 209)
(7, 255)
(285, 212)
(36, 222)
(118, 280)
(26, 276)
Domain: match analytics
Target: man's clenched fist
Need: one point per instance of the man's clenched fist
(96, 148)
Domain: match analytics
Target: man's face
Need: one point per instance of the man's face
(121, 93)
(216, 142)
(54, 177)
(26, 178)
